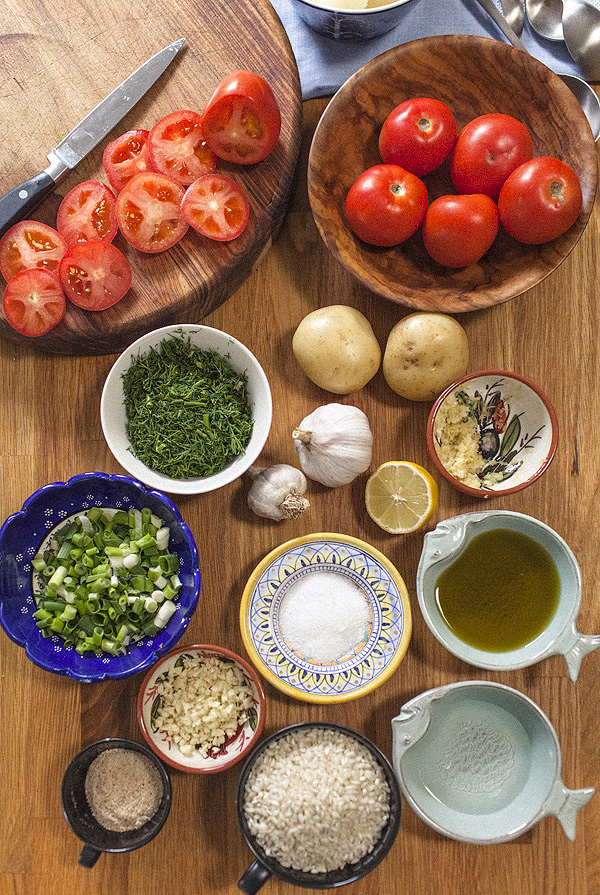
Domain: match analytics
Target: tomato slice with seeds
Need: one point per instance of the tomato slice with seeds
(177, 147)
(241, 120)
(87, 212)
(216, 206)
(30, 244)
(95, 274)
(149, 213)
(34, 302)
(126, 156)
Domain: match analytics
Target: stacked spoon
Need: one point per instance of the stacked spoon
(577, 22)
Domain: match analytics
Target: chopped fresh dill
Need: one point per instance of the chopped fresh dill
(188, 413)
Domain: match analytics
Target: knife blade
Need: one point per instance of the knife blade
(19, 202)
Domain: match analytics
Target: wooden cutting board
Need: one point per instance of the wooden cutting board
(59, 58)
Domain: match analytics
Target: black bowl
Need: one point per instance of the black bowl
(264, 866)
(77, 811)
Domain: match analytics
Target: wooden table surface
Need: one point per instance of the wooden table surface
(50, 425)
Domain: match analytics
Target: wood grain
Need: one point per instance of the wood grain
(58, 61)
(473, 76)
(549, 334)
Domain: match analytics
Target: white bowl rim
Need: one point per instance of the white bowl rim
(354, 12)
(117, 439)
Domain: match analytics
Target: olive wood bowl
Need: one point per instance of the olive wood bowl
(473, 76)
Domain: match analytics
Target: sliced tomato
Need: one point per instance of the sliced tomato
(177, 147)
(30, 244)
(34, 302)
(216, 206)
(149, 213)
(241, 120)
(95, 274)
(126, 156)
(87, 212)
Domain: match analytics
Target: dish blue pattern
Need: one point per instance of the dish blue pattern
(20, 537)
(385, 606)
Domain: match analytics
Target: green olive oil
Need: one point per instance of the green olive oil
(500, 593)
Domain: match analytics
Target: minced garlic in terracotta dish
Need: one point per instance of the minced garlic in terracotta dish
(456, 437)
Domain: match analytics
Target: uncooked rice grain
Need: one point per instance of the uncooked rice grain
(316, 800)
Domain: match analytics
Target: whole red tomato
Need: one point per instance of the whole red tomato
(458, 230)
(241, 121)
(487, 150)
(385, 205)
(418, 135)
(540, 200)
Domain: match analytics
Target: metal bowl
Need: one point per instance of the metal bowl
(340, 21)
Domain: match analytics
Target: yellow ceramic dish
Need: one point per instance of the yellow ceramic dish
(372, 660)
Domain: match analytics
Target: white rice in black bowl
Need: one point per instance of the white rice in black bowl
(316, 800)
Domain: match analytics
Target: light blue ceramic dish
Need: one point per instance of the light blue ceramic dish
(560, 637)
(481, 763)
(344, 21)
(20, 538)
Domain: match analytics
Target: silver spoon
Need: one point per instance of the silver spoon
(545, 17)
(585, 94)
(581, 28)
(514, 14)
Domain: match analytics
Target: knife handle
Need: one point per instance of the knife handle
(17, 204)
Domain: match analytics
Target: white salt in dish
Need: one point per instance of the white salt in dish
(326, 618)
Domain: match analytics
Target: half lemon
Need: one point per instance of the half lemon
(401, 496)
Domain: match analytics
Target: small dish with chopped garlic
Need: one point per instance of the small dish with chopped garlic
(201, 708)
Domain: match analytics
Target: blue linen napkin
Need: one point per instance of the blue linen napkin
(325, 64)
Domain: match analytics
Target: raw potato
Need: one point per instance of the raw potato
(337, 349)
(424, 354)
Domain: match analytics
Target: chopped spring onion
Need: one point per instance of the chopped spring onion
(105, 579)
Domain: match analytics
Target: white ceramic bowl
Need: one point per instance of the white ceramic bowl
(114, 417)
(516, 425)
(234, 748)
(443, 545)
(481, 763)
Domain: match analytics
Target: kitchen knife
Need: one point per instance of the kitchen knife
(19, 202)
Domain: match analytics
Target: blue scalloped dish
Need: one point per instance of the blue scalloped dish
(23, 532)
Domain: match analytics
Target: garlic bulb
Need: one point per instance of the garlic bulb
(276, 492)
(334, 444)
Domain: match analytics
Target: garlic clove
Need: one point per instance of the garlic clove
(277, 492)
